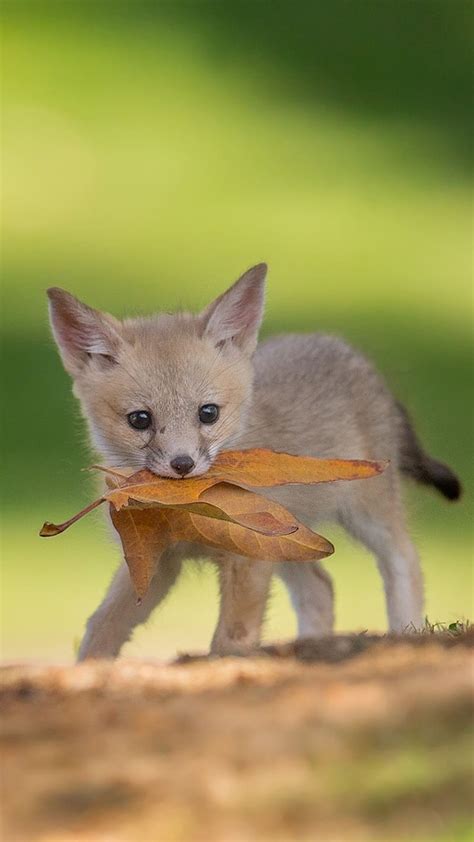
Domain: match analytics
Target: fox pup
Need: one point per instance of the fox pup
(168, 392)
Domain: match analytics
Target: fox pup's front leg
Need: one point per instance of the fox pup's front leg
(112, 624)
(312, 596)
(244, 586)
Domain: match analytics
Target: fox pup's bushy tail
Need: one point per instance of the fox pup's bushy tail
(420, 466)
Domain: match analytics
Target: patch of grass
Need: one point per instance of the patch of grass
(453, 629)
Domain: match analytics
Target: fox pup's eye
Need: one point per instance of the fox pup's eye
(140, 419)
(209, 413)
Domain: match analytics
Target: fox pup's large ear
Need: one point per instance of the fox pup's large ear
(82, 334)
(237, 314)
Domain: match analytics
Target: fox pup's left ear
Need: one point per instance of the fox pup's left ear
(82, 333)
(237, 314)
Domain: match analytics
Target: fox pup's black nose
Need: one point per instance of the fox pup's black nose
(182, 464)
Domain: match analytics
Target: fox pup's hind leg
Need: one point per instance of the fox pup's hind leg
(311, 592)
(112, 624)
(399, 566)
(377, 520)
(244, 586)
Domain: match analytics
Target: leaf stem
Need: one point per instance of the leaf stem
(50, 529)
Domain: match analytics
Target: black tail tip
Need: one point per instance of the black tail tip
(446, 481)
(451, 489)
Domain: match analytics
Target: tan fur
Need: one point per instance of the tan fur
(309, 394)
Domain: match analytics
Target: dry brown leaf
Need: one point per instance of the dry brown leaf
(144, 538)
(258, 468)
(246, 508)
(236, 505)
(261, 468)
(146, 487)
(218, 509)
(232, 503)
(145, 533)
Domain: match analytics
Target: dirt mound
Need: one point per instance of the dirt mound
(355, 737)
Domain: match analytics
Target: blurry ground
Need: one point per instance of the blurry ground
(355, 738)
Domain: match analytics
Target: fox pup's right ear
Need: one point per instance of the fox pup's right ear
(237, 314)
(82, 333)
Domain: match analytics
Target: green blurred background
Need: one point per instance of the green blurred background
(152, 152)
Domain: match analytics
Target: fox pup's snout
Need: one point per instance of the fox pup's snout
(166, 392)
(182, 465)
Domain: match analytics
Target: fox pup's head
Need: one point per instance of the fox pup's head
(165, 392)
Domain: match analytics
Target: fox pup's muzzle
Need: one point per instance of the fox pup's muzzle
(182, 465)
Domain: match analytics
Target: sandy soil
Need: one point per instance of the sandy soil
(352, 738)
